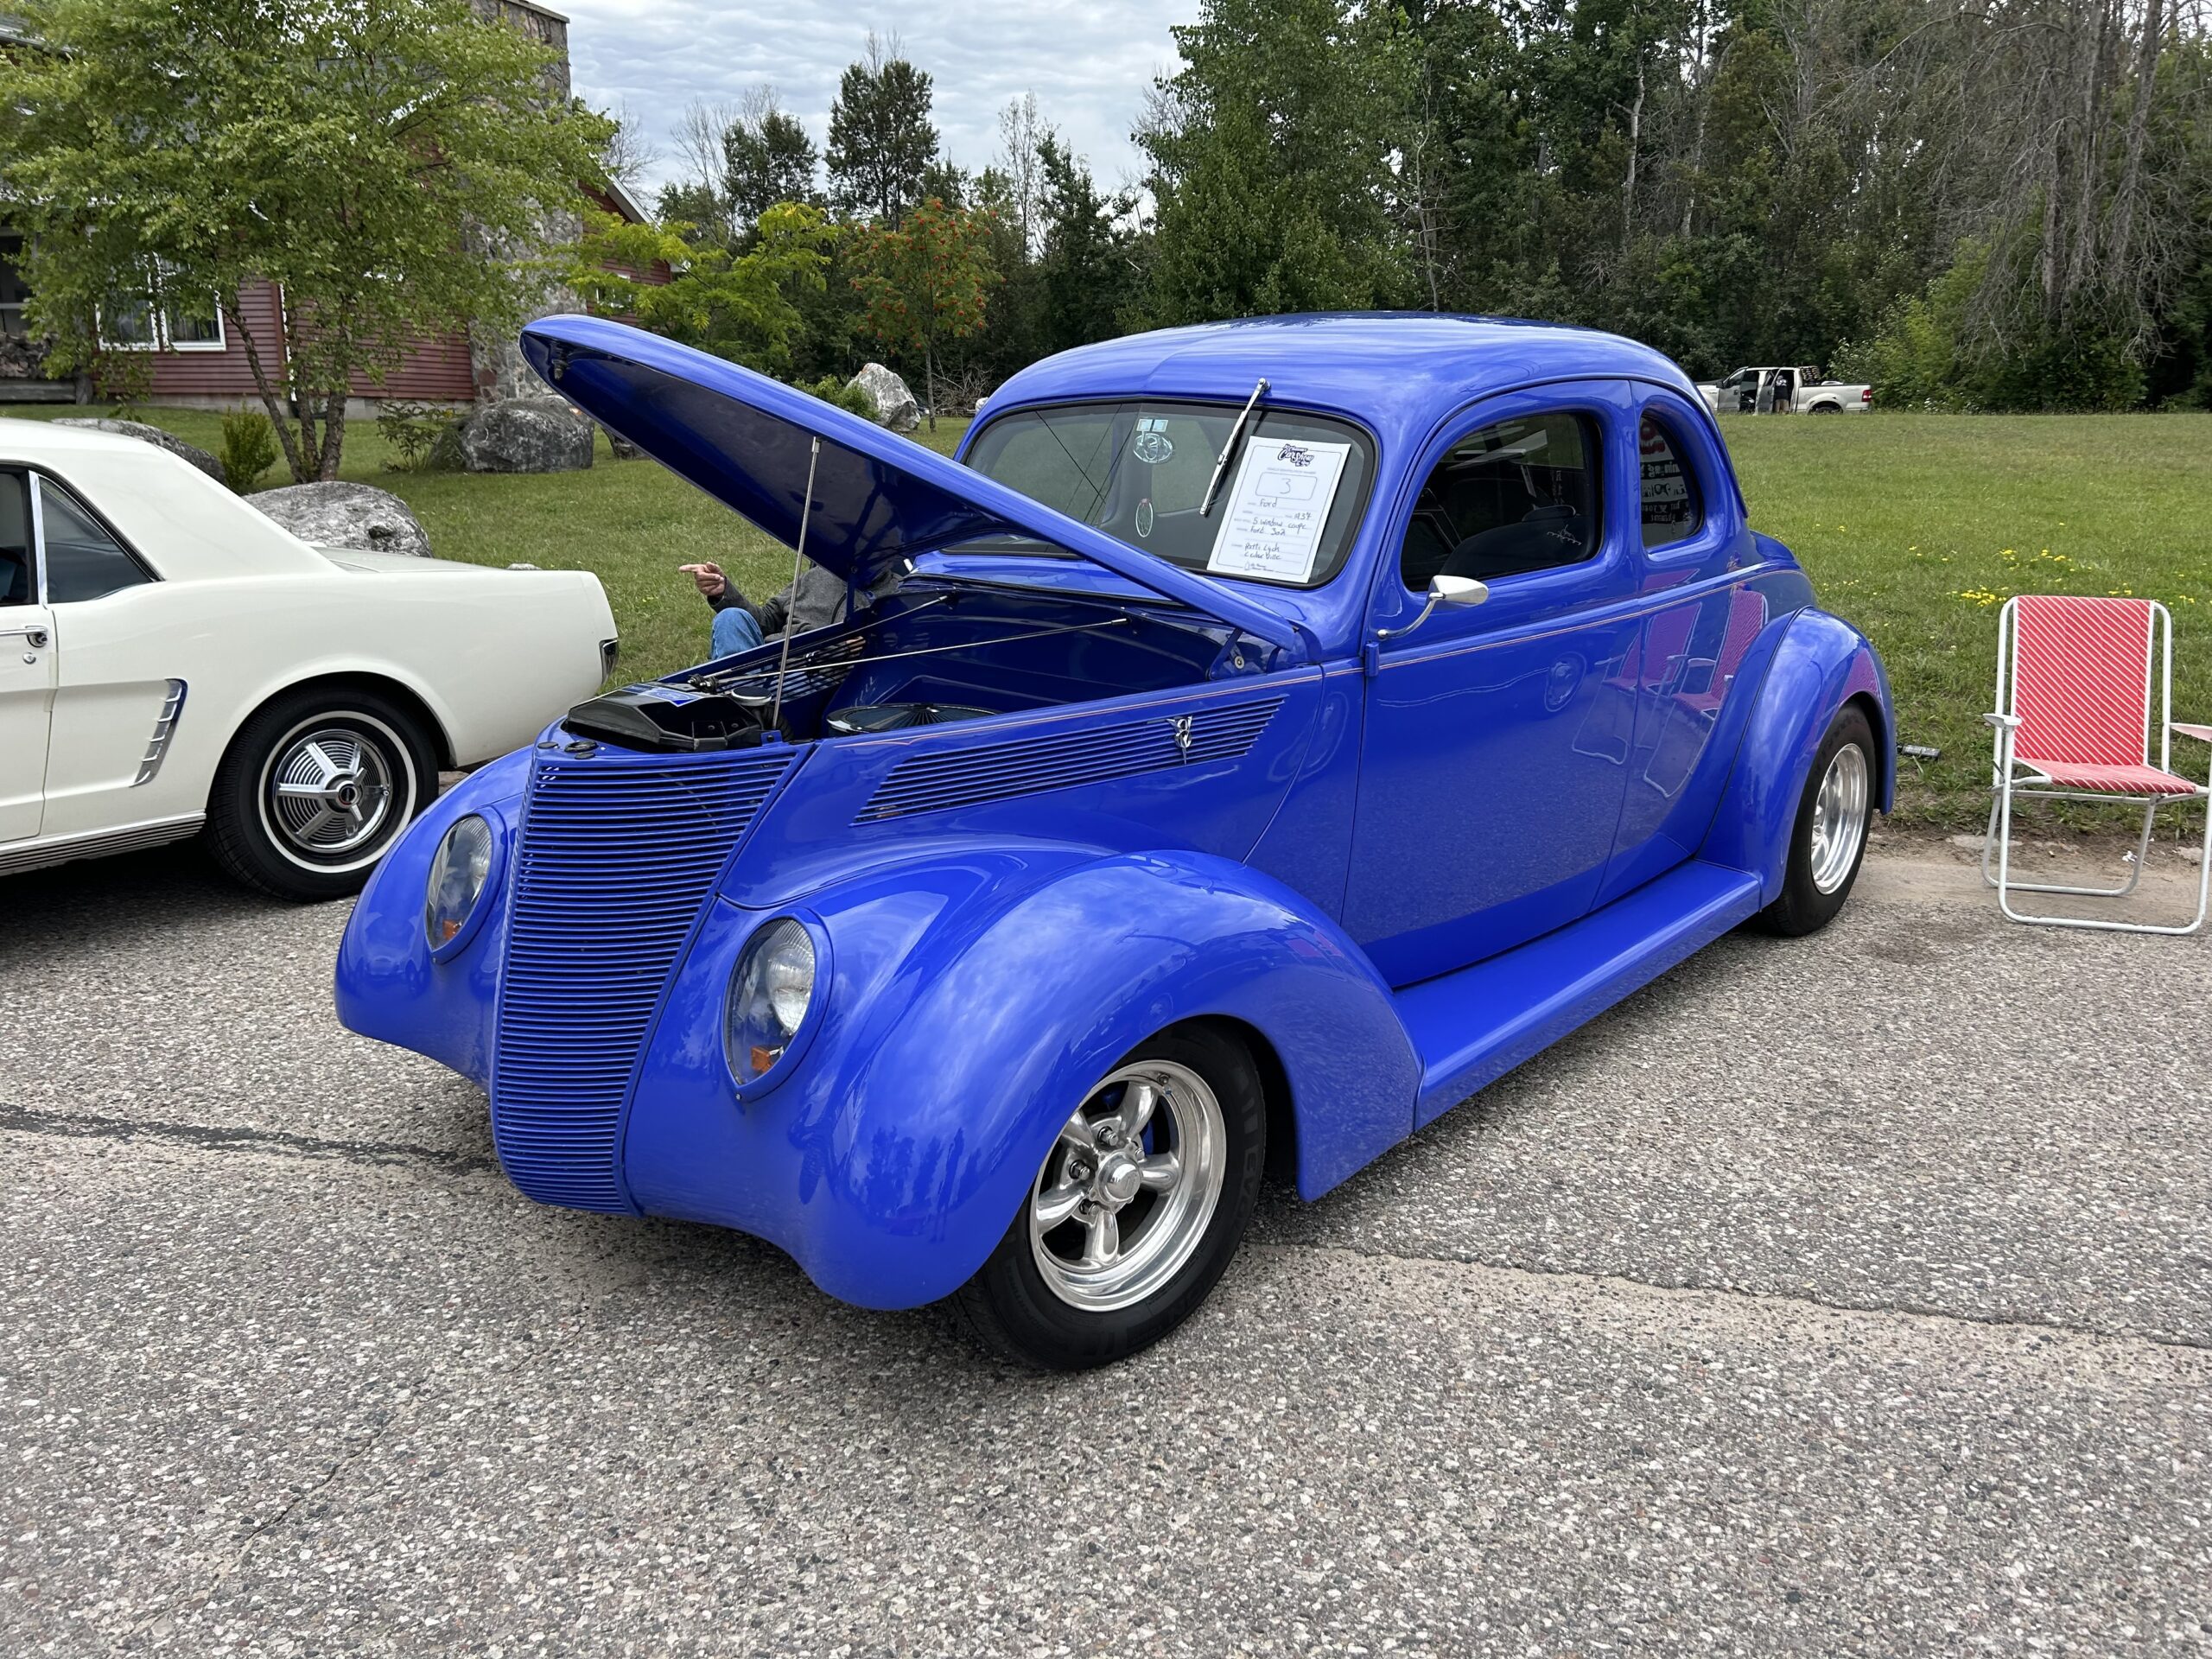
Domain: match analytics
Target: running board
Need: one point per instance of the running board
(1472, 1026)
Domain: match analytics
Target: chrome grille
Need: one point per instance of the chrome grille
(615, 857)
(934, 782)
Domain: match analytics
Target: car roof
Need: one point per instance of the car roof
(1400, 373)
(31, 438)
(1397, 372)
(181, 521)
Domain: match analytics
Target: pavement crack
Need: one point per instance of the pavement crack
(1902, 1310)
(91, 1126)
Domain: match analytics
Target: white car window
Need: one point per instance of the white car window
(82, 559)
(17, 584)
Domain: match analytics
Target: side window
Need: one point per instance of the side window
(1515, 497)
(18, 585)
(1672, 511)
(82, 559)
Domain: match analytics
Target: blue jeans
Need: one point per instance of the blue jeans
(734, 631)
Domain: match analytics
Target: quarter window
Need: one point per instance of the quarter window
(82, 559)
(17, 584)
(1515, 497)
(1672, 511)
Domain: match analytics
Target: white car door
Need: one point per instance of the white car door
(26, 674)
(114, 706)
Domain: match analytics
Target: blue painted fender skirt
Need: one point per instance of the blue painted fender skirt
(1822, 664)
(969, 1006)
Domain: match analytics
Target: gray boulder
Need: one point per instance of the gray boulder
(894, 405)
(160, 439)
(522, 435)
(345, 515)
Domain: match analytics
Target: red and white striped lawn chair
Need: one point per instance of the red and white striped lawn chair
(2074, 721)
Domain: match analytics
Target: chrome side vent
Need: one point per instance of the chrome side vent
(157, 746)
(999, 772)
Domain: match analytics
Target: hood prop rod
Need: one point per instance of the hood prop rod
(798, 565)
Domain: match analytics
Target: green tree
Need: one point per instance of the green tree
(881, 143)
(1084, 265)
(744, 306)
(701, 209)
(1271, 155)
(767, 159)
(925, 282)
(398, 168)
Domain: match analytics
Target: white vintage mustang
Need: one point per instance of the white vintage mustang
(171, 659)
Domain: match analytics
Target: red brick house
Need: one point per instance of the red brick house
(198, 360)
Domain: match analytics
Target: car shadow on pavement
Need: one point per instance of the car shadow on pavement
(178, 883)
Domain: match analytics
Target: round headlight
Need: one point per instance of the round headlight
(459, 871)
(769, 996)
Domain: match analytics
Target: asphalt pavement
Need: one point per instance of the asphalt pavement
(1849, 1294)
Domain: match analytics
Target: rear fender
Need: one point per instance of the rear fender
(1822, 664)
(969, 1008)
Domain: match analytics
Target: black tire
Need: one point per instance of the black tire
(259, 840)
(1827, 409)
(1012, 1310)
(1805, 906)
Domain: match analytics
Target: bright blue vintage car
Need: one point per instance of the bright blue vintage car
(1265, 736)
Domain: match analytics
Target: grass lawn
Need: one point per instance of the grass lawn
(1916, 527)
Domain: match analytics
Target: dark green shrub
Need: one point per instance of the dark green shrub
(830, 389)
(409, 430)
(249, 447)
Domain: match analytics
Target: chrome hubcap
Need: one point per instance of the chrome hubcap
(1127, 1189)
(1839, 818)
(329, 792)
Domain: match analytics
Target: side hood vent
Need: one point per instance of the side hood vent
(939, 781)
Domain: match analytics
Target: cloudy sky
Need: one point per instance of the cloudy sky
(1089, 63)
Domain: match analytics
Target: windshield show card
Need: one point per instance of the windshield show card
(1271, 524)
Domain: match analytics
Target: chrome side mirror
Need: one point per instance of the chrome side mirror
(1442, 590)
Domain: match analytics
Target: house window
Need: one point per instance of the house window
(162, 321)
(192, 325)
(12, 291)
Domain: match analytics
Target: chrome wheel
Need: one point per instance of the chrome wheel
(329, 791)
(1839, 818)
(1126, 1192)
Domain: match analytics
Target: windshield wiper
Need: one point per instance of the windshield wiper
(1229, 448)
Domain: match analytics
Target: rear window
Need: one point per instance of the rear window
(1138, 471)
(1671, 510)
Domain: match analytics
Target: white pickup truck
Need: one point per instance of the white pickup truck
(1787, 389)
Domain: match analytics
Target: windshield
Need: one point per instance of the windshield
(1285, 511)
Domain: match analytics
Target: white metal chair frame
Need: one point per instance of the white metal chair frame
(2007, 782)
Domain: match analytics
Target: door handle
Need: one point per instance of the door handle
(34, 637)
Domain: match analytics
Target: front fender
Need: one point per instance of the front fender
(387, 987)
(974, 1003)
(1822, 664)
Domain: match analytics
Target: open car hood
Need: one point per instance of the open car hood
(879, 499)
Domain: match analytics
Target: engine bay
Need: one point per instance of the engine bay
(933, 653)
